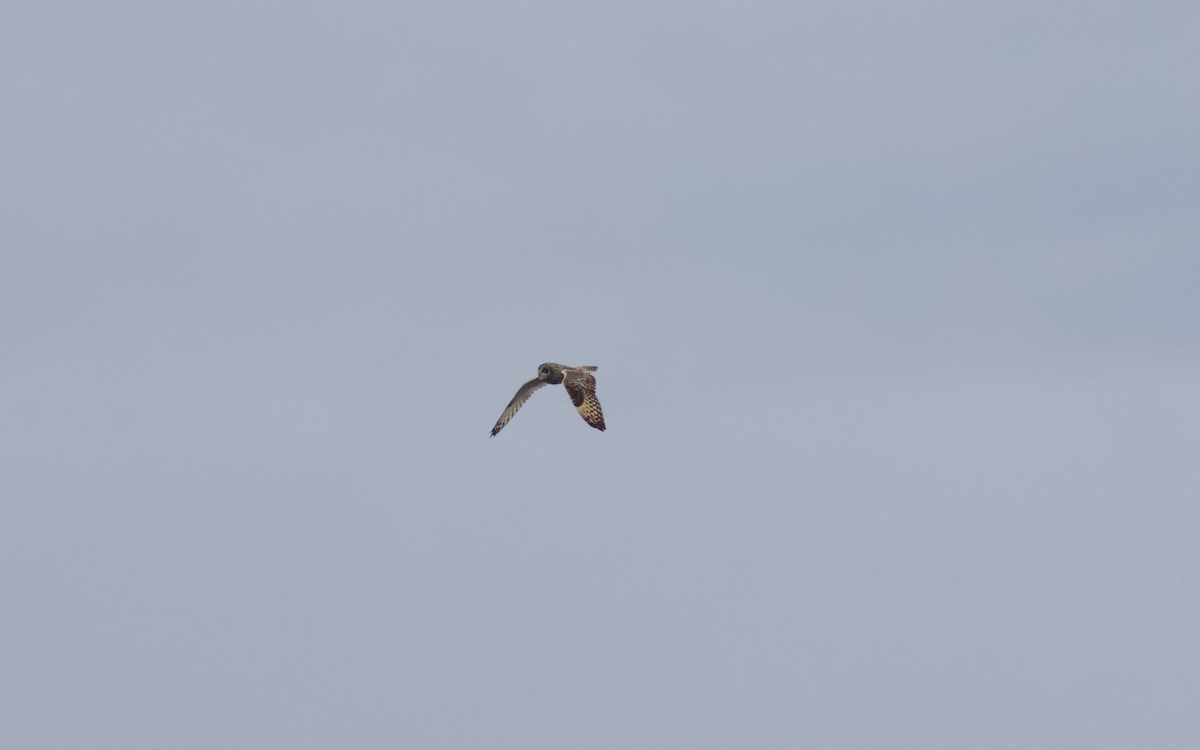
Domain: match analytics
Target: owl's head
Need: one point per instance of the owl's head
(550, 372)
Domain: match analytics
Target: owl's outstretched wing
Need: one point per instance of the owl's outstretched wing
(581, 387)
(523, 394)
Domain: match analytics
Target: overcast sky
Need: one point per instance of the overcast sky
(897, 313)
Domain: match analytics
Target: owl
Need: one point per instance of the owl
(580, 385)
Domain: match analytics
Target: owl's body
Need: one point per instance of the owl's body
(580, 385)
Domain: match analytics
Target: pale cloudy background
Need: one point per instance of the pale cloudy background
(897, 314)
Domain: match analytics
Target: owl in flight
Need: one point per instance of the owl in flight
(580, 385)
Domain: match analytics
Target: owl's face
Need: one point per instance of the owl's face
(550, 372)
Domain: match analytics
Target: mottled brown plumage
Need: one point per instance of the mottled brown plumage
(580, 386)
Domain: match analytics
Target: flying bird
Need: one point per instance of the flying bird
(580, 385)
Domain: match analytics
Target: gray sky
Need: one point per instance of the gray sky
(897, 317)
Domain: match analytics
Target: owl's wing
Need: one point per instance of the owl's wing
(581, 387)
(523, 394)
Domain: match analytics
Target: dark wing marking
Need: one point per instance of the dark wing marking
(523, 394)
(581, 387)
